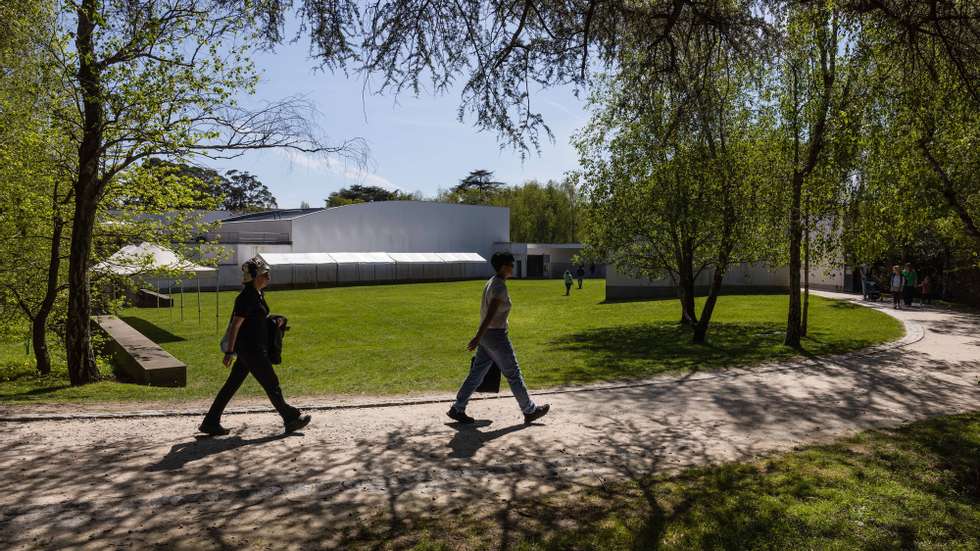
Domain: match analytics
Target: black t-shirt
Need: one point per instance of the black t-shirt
(253, 335)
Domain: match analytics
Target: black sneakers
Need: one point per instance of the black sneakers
(460, 416)
(213, 430)
(539, 412)
(297, 423)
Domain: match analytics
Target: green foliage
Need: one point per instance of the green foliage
(539, 213)
(921, 141)
(359, 193)
(542, 213)
(35, 193)
(244, 192)
(677, 168)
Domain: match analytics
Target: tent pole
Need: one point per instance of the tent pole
(181, 300)
(198, 277)
(170, 293)
(217, 298)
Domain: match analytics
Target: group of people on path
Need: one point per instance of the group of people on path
(905, 285)
(250, 340)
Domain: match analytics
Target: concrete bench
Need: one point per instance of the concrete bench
(138, 357)
(147, 298)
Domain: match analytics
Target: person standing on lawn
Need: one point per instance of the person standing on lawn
(493, 346)
(911, 284)
(896, 285)
(246, 348)
(580, 274)
(568, 282)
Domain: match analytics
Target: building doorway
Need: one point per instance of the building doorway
(535, 265)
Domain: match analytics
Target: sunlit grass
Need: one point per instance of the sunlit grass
(395, 339)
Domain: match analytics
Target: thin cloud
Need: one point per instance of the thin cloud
(333, 165)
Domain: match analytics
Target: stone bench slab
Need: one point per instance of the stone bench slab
(138, 357)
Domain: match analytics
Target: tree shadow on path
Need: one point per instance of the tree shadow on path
(468, 440)
(203, 446)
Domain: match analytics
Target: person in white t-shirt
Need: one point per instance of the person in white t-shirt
(493, 346)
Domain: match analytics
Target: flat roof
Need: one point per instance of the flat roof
(277, 214)
(543, 245)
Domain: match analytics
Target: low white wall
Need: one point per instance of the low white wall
(747, 277)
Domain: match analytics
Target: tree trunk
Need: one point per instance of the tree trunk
(39, 325)
(701, 329)
(39, 340)
(81, 359)
(724, 257)
(795, 239)
(685, 291)
(805, 316)
(806, 283)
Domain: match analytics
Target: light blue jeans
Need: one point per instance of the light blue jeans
(495, 348)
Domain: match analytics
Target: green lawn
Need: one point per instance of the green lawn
(411, 338)
(917, 487)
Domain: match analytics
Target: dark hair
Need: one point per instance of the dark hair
(253, 268)
(499, 260)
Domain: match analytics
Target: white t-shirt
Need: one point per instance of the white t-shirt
(897, 282)
(496, 287)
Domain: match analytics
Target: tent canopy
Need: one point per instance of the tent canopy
(147, 258)
(310, 259)
(361, 258)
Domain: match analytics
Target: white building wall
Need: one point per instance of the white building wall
(234, 231)
(402, 226)
(741, 277)
(828, 277)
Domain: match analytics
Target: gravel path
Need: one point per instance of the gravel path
(359, 473)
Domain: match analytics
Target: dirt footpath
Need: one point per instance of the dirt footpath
(359, 472)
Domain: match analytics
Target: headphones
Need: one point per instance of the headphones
(252, 268)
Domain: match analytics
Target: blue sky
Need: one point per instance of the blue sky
(415, 144)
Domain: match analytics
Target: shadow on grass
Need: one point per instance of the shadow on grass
(632, 351)
(21, 380)
(152, 331)
(629, 351)
(902, 489)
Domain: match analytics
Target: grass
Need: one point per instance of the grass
(411, 338)
(917, 487)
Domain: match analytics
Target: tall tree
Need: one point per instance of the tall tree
(813, 77)
(674, 169)
(542, 213)
(156, 78)
(477, 188)
(244, 192)
(359, 193)
(34, 191)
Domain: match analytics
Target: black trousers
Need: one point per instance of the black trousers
(257, 363)
(908, 293)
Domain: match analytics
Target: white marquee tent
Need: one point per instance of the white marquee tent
(152, 262)
(317, 268)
